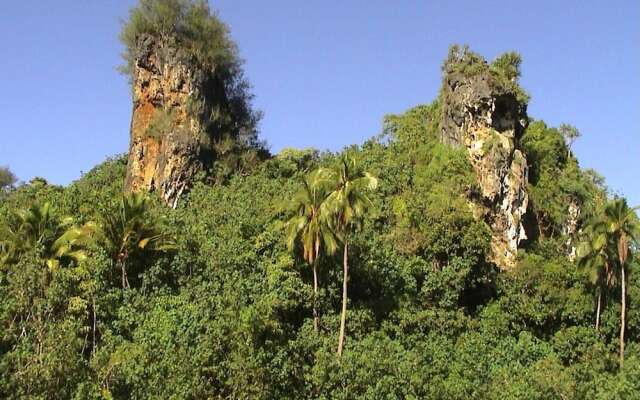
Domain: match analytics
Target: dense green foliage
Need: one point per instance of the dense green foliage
(556, 180)
(227, 312)
(111, 297)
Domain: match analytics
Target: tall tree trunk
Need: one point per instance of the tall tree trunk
(124, 277)
(125, 280)
(623, 315)
(93, 347)
(316, 313)
(343, 317)
(598, 308)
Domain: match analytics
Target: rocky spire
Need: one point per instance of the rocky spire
(484, 111)
(189, 96)
(166, 150)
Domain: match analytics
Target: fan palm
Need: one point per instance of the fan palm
(309, 227)
(347, 205)
(130, 230)
(621, 226)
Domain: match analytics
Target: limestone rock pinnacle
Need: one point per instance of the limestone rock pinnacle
(482, 115)
(166, 151)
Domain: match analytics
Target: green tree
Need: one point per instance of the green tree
(38, 227)
(7, 178)
(309, 227)
(347, 205)
(508, 65)
(190, 23)
(594, 257)
(129, 230)
(570, 133)
(234, 157)
(620, 223)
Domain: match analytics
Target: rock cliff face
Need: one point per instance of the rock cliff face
(170, 102)
(479, 114)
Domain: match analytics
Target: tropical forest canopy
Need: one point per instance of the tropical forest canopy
(242, 290)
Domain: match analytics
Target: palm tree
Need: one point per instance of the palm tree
(10, 243)
(70, 245)
(594, 256)
(347, 205)
(621, 225)
(37, 227)
(130, 230)
(309, 227)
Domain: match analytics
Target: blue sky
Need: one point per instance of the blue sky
(324, 73)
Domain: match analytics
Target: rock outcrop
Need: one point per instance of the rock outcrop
(171, 100)
(570, 228)
(485, 116)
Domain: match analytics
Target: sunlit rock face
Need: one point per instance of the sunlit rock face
(570, 228)
(170, 99)
(480, 115)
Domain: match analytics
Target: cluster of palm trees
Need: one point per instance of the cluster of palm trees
(329, 207)
(123, 232)
(606, 250)
(38, 228)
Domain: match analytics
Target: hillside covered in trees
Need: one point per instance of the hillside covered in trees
(460, 253)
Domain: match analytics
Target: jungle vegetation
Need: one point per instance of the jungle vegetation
(238, 293)
(360, 274)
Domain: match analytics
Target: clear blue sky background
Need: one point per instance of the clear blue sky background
(324, 73)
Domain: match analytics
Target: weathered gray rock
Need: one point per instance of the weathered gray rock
(481, 115)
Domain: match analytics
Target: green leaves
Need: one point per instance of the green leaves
(556, 181)
(348, 201)
(329, 201)
(7, 178)
(39, 228)
(608, 237)
(508, 65)
(129, 230)
(190, 23)
(309, 224)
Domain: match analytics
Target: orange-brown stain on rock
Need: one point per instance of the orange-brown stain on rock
(142, 117)
(166, 161)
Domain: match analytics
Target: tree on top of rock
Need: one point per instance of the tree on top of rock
(192, 106)
(202, 40)
(188, 24)
(7, 178)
